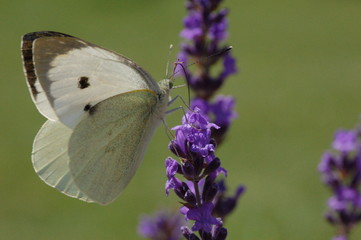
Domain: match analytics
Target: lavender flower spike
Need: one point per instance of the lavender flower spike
(200, 192)
(205, 29)
(341, 172)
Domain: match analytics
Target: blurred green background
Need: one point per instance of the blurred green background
(299, 80)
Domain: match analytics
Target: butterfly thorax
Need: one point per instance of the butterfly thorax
(165, 86)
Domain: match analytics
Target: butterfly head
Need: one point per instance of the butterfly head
(165, 85)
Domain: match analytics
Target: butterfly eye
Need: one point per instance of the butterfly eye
(170, 84)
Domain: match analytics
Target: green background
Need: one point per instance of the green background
(299, 80)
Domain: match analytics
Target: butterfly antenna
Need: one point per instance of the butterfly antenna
(169, 54)
(220, 52)
(167, 130)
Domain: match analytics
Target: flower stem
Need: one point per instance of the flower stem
(196, 189)
(344, 230)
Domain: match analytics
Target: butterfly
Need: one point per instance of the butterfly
(102, 110)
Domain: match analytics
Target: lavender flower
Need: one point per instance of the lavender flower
(224, 204)
(345, 141)
(203, 217)
(193, 138)
(162, 226)
(220, 112)
(341, 171)
(205, 29)
(202, 195)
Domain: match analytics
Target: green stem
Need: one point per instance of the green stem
(196, 189)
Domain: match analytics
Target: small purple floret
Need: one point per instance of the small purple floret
(224, 204)
(345, 141)
(203, 217)
(223, 110)
(193, 137)
(171, 170)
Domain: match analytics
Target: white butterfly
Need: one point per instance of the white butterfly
(102, 110)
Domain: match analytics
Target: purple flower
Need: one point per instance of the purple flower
(171, 169)
(171, 166)
(203, 217)
(200, 167)
(190, 184)
(188, 234)
(162, 226)
(229, 65)
(193, 26)
(341, 171)
(220, 112)
(193, 137)
(225, 205)
(327, 166)
(345, 198)
(223, 111)
(205, 28)
(345, 141)
(202, 105)
(218, 30)
(197, 120)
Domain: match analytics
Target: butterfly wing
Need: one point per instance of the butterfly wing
(50, 158)
(106, 148)
(67, 76)
(96, 160)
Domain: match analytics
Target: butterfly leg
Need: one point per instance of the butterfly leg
(175, 98)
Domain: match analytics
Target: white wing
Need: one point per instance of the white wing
(67, 76)
(107, 147)
(51, 161)
(95, 161)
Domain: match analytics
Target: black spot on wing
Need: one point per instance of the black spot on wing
(89, 108)
(83, 82)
